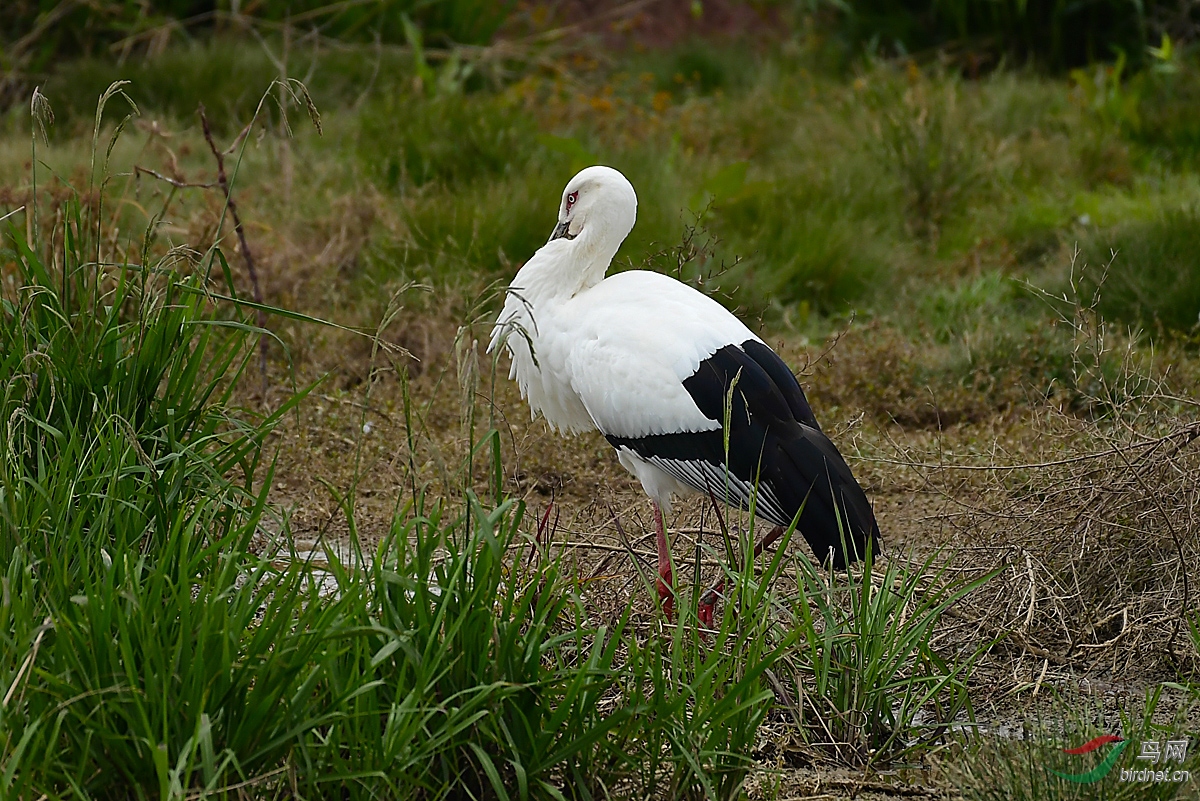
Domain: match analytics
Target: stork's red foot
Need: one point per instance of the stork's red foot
(708, 604)
(666, 592)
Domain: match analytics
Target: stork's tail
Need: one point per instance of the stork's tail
(837, 519)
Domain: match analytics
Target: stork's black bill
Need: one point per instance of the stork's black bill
(562, 231)
(777, 453)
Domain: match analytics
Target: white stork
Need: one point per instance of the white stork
(650, 362)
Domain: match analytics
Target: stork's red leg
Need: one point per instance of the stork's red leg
(666, 583)
(708, 603)
(709, 599)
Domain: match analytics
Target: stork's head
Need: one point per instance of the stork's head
(598, 204)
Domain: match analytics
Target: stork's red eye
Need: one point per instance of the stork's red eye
(571, 198)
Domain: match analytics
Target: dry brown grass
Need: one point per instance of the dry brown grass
(1097, 532)
(1089, 506)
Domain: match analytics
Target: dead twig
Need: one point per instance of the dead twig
(223, 182)
(1188, 433)
(175, 182)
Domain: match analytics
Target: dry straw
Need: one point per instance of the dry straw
(1099, 532)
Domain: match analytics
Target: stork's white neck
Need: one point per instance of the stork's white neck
(563, 268)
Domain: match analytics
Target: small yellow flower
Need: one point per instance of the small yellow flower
(661, 101)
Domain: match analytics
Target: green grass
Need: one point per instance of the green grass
(1054, 35)
(969, 307)
(39, 33)
(865, 676)
(464, 672)
(135, 630)
(1154, 277)
(453, 140)
(854, 194)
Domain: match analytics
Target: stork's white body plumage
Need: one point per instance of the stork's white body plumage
(613, 357)
(649, 362)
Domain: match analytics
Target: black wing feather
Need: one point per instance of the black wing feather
(785, 381)
(773, 440)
